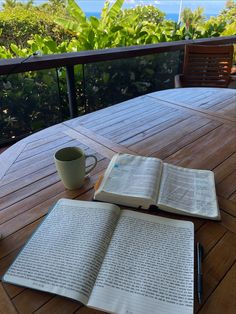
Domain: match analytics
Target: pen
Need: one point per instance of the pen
(199, 271)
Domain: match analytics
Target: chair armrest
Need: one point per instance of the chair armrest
(178, 80)
(232, 77)
(232, 81)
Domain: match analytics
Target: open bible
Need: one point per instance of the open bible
(139, 181)
(119, 261)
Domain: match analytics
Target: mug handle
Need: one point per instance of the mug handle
(90, 168)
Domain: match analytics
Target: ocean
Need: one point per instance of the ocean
(170, 7)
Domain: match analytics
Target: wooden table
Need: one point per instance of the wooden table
(191, 127)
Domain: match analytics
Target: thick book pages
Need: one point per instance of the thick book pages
(131, 181)
(139, 181)
(115, 260)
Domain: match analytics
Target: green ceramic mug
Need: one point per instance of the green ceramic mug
(71, 166)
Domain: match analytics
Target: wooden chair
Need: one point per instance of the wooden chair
(206, 66)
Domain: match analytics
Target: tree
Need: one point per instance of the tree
(15, 3)
(228, 14)
(9, 3)
(230, 4)
(54, 7)
(144, 13)
(194, 17)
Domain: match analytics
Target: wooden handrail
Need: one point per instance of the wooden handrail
(19, 65)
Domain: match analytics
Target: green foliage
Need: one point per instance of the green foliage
(54, 7)
(194, 24)
(189, 17)
(30, 101)
(92, 33)
(143, 13)
(111, 82)
(28, 105)
(230, 29)
(19, 23)
(228, 14)
(54, 27)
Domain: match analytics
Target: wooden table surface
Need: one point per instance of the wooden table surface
(191, 127)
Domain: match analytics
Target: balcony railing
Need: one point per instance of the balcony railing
(42, 90)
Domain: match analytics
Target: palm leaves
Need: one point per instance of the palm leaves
(92, 33)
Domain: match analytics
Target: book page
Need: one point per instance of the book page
(188, 191)
(65, 253)
(148, 266)
(130, 179)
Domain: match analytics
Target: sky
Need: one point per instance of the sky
(168, 6)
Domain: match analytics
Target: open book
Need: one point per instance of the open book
(119, 261)
(138, 181)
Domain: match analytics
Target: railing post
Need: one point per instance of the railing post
(84, 91)
(70, 79)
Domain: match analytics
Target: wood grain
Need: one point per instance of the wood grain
(224, 252)
(191, 127)
(5, 303)
(224, 296)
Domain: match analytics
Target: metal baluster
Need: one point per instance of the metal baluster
(70, 79)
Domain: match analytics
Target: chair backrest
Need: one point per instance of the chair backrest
(207, 66)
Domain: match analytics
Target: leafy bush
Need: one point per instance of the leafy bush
(31, 101)
(70, 30)
(19, 24)
(110, 82)
(27, 104)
